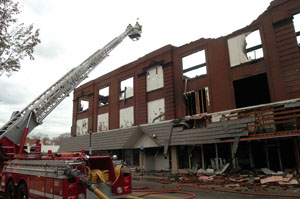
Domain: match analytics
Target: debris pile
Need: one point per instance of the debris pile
(260, 178)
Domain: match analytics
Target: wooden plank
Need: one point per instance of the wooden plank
(198, 109)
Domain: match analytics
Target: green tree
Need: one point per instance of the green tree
(17, 41)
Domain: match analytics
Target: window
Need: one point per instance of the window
(253, 46)
(103, 124)
(245, 48)
(83, 105)
(155, 78)
(82, 127)
(103, 96)
(196, 102)
(126, 88)
(126, 117)
(297, 27)
(194, 65)
(156, 111)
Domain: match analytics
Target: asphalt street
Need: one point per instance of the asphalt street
(212, 192)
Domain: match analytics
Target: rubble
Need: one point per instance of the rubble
(271, 179)
(258, 179)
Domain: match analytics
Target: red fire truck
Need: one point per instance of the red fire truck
(32, 174)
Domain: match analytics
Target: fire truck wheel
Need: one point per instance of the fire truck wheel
(10, 190)
(22, 191)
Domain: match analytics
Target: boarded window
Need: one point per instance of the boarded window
(297, 27)
(126, 117)
(196, 102)
(82, 127)
(155, 78)
(103, 96)
(126, 88)
(103, 124)
(194, 65)
(245, 48)
(83, 105)
(156, 111)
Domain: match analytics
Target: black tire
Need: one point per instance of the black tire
(22, 192)
(10, 190)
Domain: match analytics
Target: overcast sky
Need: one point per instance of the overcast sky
(71, 30)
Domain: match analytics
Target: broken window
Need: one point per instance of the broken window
(126, 88)
(297, 27)
(244, 48)
(103, 96)
(103, 124)
(156, 111)
(126, 117)
(82, 127)
(155, 78)
(251, 91)
(194, 65)
(196, 102)
(83, 105)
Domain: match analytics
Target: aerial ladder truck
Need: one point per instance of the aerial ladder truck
(32, 174)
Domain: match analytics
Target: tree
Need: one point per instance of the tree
(17, 41)
(57, 140)
(38, 135)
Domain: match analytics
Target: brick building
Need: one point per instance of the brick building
(232, 99)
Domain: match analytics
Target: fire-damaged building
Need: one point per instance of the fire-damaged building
(233, 99)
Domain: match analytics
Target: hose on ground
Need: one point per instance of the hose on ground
(160, 191)
(238, 192)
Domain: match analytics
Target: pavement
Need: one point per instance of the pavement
(208, 191)
(215, 191)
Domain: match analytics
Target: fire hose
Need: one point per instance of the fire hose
(178, 190)
(161, 191)
(96, 175)
(238, 192)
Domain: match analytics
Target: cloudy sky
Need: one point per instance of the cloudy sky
(71, 30)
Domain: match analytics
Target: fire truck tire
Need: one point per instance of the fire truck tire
(10, 190)
(22, 192)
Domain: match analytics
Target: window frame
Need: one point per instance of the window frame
(80, 108)
(238, 51)
(297, 33)
(124, 96)
(195, 67)
(103, 97)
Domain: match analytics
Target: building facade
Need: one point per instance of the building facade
(231, 99)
